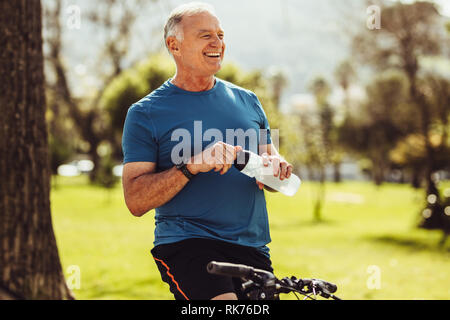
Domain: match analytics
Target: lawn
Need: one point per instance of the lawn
(367, 243)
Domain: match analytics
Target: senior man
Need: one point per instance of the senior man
(205, 208)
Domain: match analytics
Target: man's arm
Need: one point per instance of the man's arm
(145, 190)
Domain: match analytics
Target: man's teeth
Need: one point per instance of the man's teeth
(215, 55)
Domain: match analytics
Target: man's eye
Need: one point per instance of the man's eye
(206, 36)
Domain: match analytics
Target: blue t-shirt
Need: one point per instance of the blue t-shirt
(170, 123)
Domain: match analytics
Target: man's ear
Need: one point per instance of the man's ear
(173, 45)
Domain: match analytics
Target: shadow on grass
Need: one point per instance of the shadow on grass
(411, 243)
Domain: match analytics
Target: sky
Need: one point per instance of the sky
(445, 7)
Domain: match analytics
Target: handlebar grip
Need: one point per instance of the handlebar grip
(230, 269)
(330, 287)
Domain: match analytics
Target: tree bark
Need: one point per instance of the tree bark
(337, 172)
(30, 267)
(419, 100)
(318, 205)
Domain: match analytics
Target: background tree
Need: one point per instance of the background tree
(436, 214)
(316, 128)
(344, 75)
(278, 82)
(29, 262)
(325, 114)
(116, 19)
(408, 32)
(410, 152)
(129, 87)
(381, 121)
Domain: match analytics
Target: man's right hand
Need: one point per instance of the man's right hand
(219, 157)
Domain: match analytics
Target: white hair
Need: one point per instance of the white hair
(172, 27)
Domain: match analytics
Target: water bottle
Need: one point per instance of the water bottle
(252, 165)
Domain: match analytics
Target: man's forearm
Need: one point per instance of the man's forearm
(150, 191)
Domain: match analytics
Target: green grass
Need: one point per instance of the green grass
(362, 226)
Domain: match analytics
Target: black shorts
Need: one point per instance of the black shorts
(183, 266)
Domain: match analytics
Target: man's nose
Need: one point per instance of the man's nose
(216, 41)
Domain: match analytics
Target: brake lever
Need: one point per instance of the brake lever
(320, 287)
(248, 285)
(262, 278)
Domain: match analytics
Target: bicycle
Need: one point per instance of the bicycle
(264, 285)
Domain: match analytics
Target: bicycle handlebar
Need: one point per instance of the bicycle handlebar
(265, 280)
(229, 269)
(330, 287)
(236, 270)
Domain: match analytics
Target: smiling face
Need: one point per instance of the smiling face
(201, 51)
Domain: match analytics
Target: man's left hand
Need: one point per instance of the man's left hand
(281, 168)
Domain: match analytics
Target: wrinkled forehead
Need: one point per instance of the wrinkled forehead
(199, 22)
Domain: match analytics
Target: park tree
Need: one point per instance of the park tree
(312, 156)
(325, 115)
(436, 214)
(410, 152)
(278, 82)
(381, 121)
(115, 19)
(130, 86)
(345, 75)
(30, 267)
(317, 128)
(408, 33)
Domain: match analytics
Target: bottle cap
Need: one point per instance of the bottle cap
(241, 160)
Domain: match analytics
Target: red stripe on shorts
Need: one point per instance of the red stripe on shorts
(171, 277)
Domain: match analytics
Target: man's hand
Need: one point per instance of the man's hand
(281, 167)
(219, 157)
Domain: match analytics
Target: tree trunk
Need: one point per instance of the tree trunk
(320, 197)
(377, 171)
(423, 108)
(30, 267)
(416, 179)
(337, 172)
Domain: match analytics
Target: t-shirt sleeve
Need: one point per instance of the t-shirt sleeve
(139, 143)
(265, 135)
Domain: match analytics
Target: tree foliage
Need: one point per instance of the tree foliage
(115, 19)
(129, 87)
(382, 120)
(416, 136)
